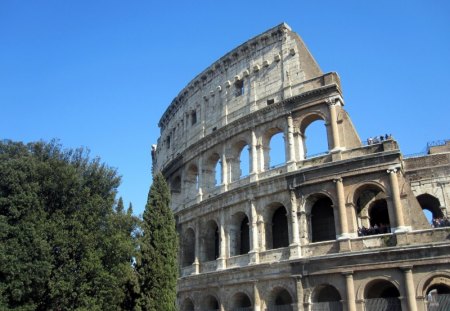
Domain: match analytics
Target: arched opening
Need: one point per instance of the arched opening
(192, 184)
(431, 208)
(438, 293)
(244, 161)
(277, 234)
(210, 304)
(211, 241)
(239, 235)
(218, 173)
(239, 161)
(440, 289)
(382, 295)
(315, 139)
(281, 300)
(188, 248)
(175, 186)
(175, 191)
(326, 297)
(322, 220)
(372, 211)
(274, 149)
(212, 172)
(244, 248)
(187, 305)
(241, 302)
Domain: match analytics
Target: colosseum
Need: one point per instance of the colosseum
(348, 229)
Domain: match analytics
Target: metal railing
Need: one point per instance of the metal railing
(326, 306)
(280, 308)
(439, 303)
(383, 304)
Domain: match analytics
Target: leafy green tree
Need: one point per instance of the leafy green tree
(157, 261)
(63, 244)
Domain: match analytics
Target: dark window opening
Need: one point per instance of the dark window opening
(188, 255)
(280, 233)
(193, 117)
(239, 88)
(245, 237)
(270, 101)
(322, 221)
(212, 239)
(216, 243)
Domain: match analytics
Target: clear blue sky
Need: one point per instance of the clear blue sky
(99, 74)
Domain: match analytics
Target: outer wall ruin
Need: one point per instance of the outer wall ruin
(343, 230)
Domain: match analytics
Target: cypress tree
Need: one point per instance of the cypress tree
(157, 264)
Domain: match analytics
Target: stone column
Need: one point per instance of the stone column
(254, 255)
(253, 157)
(224, 170)
(202, 116)
(333, 122)
(256, 298)
(290, 144)
(409, 288)
(351, 304)
(342, 210)
(197, 249)
(395, 193)
(200, 179)
(221, 261)
(299, 289)
(294, 247)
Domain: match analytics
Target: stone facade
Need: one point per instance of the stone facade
(344, 230)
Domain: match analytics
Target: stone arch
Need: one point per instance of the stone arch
(240, 300)
(280, 298)
(373, 214)
(210, 303)
(188, 247)
(430, 203)
(326, 297)
(302, 123)
(268, 152)
(322, 221)
(277, 228)
(434, 280)
(381, 294)
(239, 233)
(239, 160)
(176, 191)
(192, 180)
(212, 170)
(187, 305)
(305, 123)
(211, 241)
(175, 184)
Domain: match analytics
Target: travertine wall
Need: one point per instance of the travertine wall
(270, 67)
(288, 237)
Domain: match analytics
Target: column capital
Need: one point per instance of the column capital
(338, 179)
(348, 273)
(406, 268)
(332, 101)
(391, 170)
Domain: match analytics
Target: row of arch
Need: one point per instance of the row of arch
(378, 294)
(253, 152)
(371, 210)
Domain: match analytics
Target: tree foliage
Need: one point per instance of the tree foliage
(64, 244)
(157, 261)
